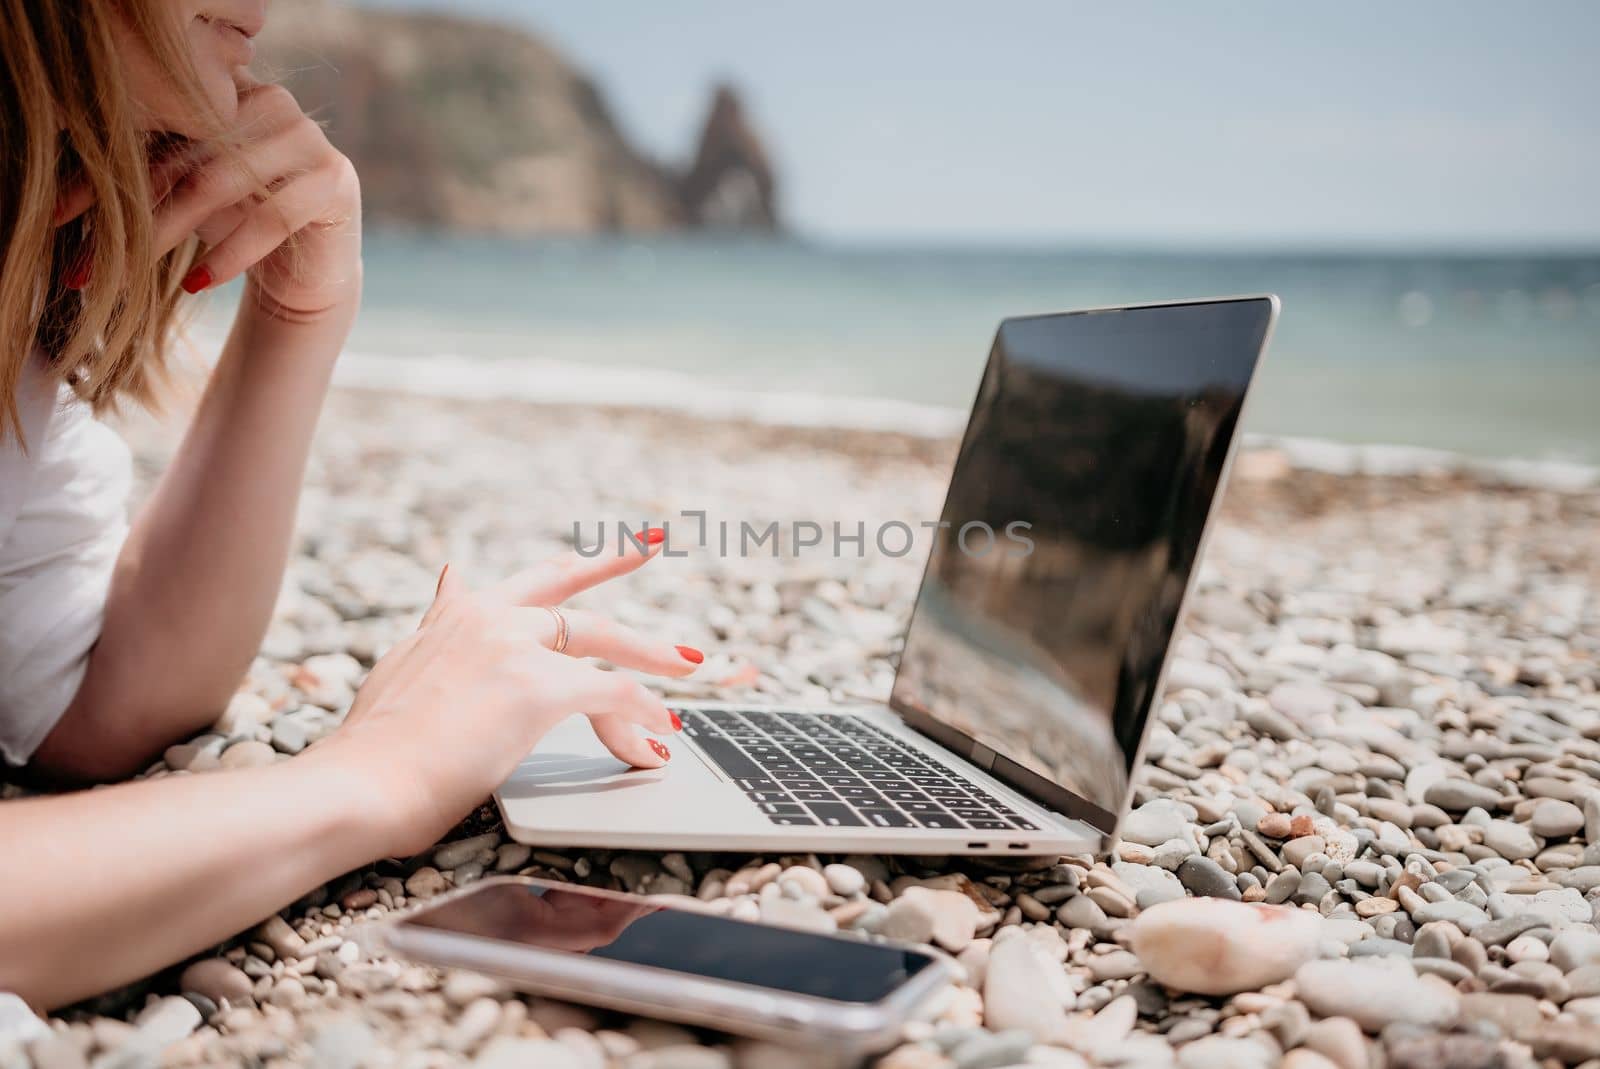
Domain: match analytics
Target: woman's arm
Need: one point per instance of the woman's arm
(121, 881)
(127, 879)
(196, 582)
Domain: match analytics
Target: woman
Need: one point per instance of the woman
(140, 162)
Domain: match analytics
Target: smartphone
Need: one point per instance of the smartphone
(629, 953)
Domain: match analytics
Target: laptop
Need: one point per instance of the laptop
(1096, 449)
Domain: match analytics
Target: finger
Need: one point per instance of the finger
(449, 588)
(264, 107)
(73, 202)
(591, 634)
(265, 228)
(216, 229)
(165, 170)
(176, 162)
(224, 180)
(553, 581)
(566, 684)
(627, 745)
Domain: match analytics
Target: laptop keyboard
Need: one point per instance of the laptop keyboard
(840, 771)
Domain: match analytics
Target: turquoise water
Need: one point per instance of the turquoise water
(1492, 355)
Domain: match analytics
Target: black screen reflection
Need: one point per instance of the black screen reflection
(552, 918)
(625, 929)
(1106, 433)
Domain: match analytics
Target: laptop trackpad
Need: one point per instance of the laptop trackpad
(571, 762)
(570, 789)
(568, 769)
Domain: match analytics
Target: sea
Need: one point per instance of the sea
(1487, 356)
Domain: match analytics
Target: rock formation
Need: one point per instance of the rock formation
(731, 182)
(464, 124)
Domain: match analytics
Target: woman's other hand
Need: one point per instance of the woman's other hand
(447, 714)
(278, 202)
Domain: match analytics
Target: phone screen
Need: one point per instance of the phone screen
(633, 931)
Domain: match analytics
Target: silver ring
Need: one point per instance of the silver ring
(563, 632)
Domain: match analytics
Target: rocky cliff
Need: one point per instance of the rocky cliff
(472, 125)
(730, 183)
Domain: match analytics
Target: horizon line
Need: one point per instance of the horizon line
(945, 243)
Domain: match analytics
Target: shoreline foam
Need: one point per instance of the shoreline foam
(559, 383)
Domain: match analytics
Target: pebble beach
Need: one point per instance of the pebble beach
(1367, 836)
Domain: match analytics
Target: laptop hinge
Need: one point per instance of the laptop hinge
(1031, 785)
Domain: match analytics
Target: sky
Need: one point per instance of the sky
(1426, 123)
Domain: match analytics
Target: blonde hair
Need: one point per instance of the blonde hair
(67, 118)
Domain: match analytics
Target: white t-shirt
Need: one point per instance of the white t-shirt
(63, 518)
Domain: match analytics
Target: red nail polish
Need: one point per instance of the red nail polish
(690, 654)
(198, 278)
(655, 536)
(440, 585)
(677, 724)
(661, 751)
(77, 276)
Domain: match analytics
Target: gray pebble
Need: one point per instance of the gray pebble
(1154, 823)
(1283, 886)
(1459, 795)
(844, 880)
(1463, 915)
(461, 851)
(1510, 840)
(1083, 912)
(1206, 879)
(1380, 948)
(288, 736)
(1502, 930)
(1574, 948)
(1555, 819)
(991, 1050)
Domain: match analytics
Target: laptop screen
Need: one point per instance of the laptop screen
(1074, 518)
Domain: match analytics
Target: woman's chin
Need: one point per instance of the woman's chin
(220, 89)
(222, 92)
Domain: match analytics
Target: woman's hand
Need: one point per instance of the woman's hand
(447, 714)
(279, 203)
(301, 242)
